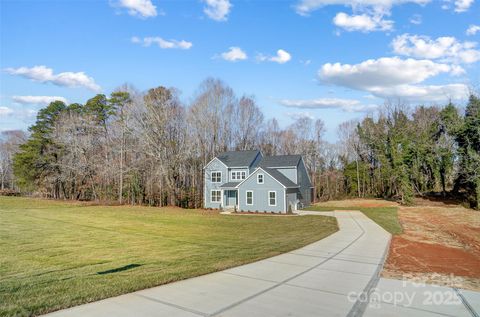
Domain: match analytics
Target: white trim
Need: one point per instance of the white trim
(272, 191)
(259, 168)
(227, 203)
(250, 175)
(236, 174)
(211, 177)
(263, 178)
(211, 196)
(246, 197)
(215, 158)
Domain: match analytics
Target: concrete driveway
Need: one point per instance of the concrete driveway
(336, 276)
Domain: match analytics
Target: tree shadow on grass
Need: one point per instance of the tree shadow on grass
(120, 269)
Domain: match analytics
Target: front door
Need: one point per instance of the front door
(231, 198)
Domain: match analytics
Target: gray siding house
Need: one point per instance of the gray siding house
(248, 181)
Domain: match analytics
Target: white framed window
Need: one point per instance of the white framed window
(216, 177)
(272, 198)
(249, 197)
(216, 196)
(260, 179)
(238, 175)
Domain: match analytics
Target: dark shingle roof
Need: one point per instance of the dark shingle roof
(284, 180)
(280, 160)
(238, 158)
(230, 185)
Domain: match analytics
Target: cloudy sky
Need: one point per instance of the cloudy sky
(330, 59)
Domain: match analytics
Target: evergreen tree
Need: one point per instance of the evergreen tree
(35, 162)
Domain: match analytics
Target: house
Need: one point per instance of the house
(248, 181)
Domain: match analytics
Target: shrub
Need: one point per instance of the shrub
(9, 192)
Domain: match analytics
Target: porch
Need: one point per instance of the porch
(230, 195)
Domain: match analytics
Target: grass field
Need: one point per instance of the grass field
(55, 254)
(386, 217)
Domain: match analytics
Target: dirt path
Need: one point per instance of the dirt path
(440, 244)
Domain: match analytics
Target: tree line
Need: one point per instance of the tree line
(401, 154)
(150, 148)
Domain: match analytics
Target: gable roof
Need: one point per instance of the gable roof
(276, 175)
(282, 179)
(238, 158)
(280, 161)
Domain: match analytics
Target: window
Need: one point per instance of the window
(272, 198)
(216, 177)
(238, 175)
(216, 196)
(260, 179)
(249, 197)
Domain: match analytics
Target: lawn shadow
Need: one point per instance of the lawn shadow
(120, 269)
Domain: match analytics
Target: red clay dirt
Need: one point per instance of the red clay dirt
(440, 244)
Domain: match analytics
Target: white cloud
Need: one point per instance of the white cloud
(217, 10)
(234, 54)
(349, 105)
(44, 74)
(282, 57)
(423, 93)
(362, 22)
(386, 71)
(390, 77)
(447, 48)
(140, 8)
(5, 111)
(463, 5)
(300, 115)
(37, 99)
(165, 44)
(459, 5)
(304, 7)
(416, 19)
(473, 29)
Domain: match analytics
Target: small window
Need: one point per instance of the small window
(260, 179)
(216, 177)
(272, 198)
(249, 197)
(238, 175)
(216, 196)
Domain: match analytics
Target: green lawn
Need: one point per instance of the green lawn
(386, 217)
(55, 254)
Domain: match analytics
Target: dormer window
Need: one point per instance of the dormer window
(216, 177)
(260, 179)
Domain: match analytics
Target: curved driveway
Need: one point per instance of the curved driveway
(320, 279)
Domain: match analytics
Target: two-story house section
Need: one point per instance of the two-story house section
(293, 167)
(250, 182)
(224, 173)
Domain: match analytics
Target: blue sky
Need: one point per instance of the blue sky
(330, 59)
